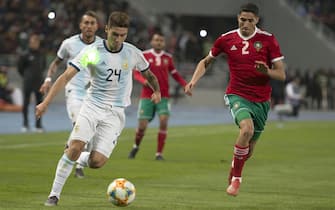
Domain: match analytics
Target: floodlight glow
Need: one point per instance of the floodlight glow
(51, 15)
(90, 57)
(203, 33)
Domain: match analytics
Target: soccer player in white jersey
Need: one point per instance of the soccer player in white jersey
(101, 116)
(75, 90)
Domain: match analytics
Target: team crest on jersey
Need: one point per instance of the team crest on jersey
(258, 46)
(125, 65)
(165, 61)
(76, 128)
(150, 60)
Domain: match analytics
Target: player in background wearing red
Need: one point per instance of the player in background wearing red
(161, 65)
(254, 57)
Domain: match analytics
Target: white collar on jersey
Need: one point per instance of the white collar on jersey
(81, 39)
(157, 54)
(249, 37)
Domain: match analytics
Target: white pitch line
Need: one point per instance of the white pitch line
(19, 146)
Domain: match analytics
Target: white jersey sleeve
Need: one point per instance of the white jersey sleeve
(63, 51)
(142, 64)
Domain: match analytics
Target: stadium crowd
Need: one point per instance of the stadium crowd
(14, 28)
(317, 10)
(33, 17)
(19, 18)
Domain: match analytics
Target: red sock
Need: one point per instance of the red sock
(240, 156)
(161, 141)
(230, 176)
(138, 137)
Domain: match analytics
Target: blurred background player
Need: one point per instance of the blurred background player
(10, 96)
(75, 90)
(161, 65)
(31, 66)
(294, 95)
(112, 63)
(294, 98)
(254, 58)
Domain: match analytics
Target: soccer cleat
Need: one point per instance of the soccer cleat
(79, 173)
(51, 201)
(39, 130)
(159, 157)
(234, 188)
(133, 153)
(24, 129)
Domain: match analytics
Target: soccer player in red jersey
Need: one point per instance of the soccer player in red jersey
(161, 65)
(254, 57)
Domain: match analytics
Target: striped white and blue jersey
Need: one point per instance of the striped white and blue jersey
(69, 49)
(111, 72)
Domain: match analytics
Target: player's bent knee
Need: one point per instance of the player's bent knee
(96, 164)
(97, 160)
(247, 132)
(73, 151)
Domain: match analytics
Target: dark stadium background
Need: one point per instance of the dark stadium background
(304, 28)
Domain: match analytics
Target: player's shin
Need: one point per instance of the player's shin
(161, 141)
(138, 137)
(63, 171)
(240, 156)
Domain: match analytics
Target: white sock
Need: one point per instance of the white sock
(83, 159)
(239, 178)
(63, 171)
(78, 166)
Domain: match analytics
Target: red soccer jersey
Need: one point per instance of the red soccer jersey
(242, 52)
(161, 65)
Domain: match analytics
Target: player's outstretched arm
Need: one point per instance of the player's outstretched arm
(153, 83)
(56, 87)
(198, 73)
(51, 71)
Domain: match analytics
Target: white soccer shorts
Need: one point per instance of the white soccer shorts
(98, 126)
(73, 105)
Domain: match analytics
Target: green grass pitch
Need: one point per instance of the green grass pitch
(293, 168)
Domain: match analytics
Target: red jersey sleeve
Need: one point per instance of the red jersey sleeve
(138, 76)
(275, 53)
(217, 47)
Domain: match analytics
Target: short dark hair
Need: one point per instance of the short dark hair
(118, 19)
(90, 13)
(249, 7)
(157, 31)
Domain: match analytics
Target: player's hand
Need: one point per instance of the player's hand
(262, 67)
(189, 88)
(156, 97)
(45, 87)
(40, 109)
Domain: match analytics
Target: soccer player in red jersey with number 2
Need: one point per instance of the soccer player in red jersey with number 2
(254, 58)
(161, 65)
